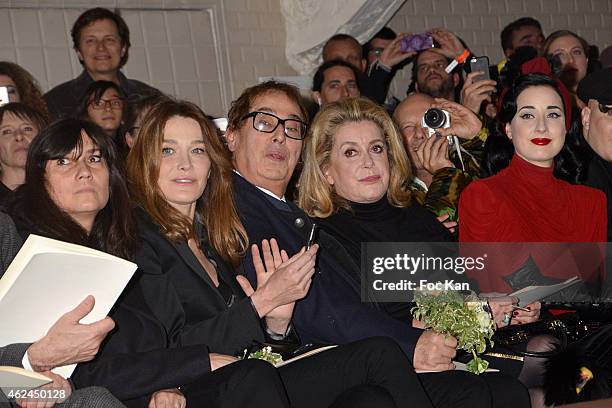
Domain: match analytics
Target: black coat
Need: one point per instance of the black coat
(168, 320)
(333, 311)
(599, 176)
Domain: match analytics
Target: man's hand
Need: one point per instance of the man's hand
(434, 352)
(279, 284)
(393, 54)
(464, 123)
(277, 319)
(60, 387)
(68, 341)
(433, 154)
(169, 398)
(474, 93)
(449, 44)
(220, 360)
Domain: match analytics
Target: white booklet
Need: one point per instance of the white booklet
(307, 354)
(531, 294)
(18, 378)
(48, 278)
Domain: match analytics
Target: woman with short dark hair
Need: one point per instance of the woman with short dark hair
(19, 125)
(105, 105)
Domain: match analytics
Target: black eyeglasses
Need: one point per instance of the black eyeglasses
(267, 123)
(605, 109)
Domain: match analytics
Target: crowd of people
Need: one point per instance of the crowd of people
(218, 222)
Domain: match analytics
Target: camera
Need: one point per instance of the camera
(416, 42)
(435, 118)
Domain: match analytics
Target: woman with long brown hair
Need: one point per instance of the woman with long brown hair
(179, 174)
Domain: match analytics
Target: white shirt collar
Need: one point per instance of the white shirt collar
(268, 192)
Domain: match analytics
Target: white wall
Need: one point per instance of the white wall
(208, 51)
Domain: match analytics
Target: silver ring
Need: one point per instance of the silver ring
(506, 319)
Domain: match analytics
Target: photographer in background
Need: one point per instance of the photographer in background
(441, 171)
(374, 81)
(431, 76)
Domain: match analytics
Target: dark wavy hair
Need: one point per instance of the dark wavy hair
(34, 209)
(27, 86)
(569, 163)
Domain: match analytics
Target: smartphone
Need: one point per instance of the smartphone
(480, 64)
(416, 42)
(4, 96)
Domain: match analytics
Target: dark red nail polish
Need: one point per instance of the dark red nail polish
(515, 313)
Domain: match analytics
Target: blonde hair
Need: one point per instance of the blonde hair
(316, 196)
(216, 205)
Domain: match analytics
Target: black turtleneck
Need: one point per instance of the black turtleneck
(599, 175)
(381, 222)
(5, 193)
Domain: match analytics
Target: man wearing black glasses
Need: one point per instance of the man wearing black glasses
(265, 134)
(264, 156)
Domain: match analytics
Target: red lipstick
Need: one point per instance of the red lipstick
(541, 141)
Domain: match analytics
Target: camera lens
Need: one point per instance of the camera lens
(434, 118)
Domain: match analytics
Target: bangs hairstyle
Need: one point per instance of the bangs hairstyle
(113, 230)
(215, 207)
(25, 113)
(316, 196)
(94, 93)
(569, 163)
(243, 105)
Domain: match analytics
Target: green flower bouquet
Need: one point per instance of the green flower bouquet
(466, 318)
(265, 353)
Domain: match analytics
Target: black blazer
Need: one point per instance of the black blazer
(184, 299)
(333, 311)
(168, 320)
(137, 359)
